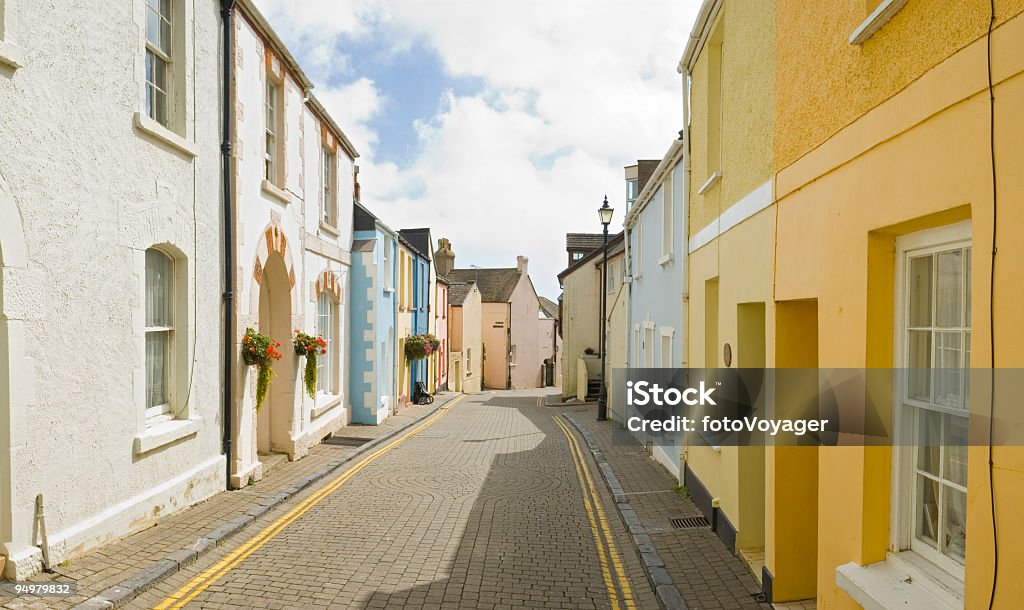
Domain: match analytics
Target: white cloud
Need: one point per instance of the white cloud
(593, 80)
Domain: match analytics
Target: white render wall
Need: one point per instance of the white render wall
(88, 191)
(311, 252)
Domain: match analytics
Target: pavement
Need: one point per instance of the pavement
(493, 501)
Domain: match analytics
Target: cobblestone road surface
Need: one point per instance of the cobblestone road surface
(482, 509)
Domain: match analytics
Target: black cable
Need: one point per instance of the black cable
(991, 304)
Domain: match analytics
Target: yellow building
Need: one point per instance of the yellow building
(883, 151)
(729, 64)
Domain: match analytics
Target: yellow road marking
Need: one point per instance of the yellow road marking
(599, 526)
(201, 582)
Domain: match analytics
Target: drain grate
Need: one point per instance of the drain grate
(683, 523)
(347, 441)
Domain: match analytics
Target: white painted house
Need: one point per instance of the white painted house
(110, 300)
(294, 181)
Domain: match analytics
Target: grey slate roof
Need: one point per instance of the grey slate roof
(583, 241)
(457, 293)
(496, 285)
(549, 307)
(420, 240)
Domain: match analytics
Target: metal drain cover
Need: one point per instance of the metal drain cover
(683, 523)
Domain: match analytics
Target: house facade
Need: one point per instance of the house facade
(895, 219)
(293, 180)
(550, 341)
(509, 325)
(373, 307)
(110, 263)
(466, 348)
(439, 359)
(655, 328)
(729, 63)
(404, 320)
(422, 286)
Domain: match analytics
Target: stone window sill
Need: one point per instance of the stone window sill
(10, 55)
(901, 581)
(166, 433)
(878, 18)
(712, 180)
(329, 229)
(160, 133)
(665, 260)
(325, 403)
(276, 192)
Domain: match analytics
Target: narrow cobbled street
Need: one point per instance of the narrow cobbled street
(490, 503)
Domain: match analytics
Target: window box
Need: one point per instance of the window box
(164, 135)
(165, 433)
(276, 192)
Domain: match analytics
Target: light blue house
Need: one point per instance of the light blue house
(373, 307)
(655, 227)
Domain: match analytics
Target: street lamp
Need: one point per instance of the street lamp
(604, 213)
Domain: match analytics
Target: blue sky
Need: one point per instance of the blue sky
(500, 124)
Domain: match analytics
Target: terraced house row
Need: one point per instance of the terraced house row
(193, 200)
(844, 194)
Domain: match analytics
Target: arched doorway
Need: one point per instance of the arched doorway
(274, 420)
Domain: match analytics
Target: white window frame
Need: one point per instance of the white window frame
(904, 486)
(386, 281)
(327, 327)
(667, 332)
(329, 186)
(667, 232)
(512, 355)
(639, 273)
(10, 54)
(162, 412)
(165, 56)
(272, 103)
(648, 345)
(469, 362)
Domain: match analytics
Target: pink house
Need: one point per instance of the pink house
(440, 359)
(510, 325)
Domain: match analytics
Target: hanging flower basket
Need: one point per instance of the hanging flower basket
(421, 346)
(260, 351)
(310, 347)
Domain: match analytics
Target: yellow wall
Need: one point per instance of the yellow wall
(748, 97)
(581, 318)
(826, 83)
(918, 159)
(741, 260)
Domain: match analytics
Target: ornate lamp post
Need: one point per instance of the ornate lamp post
(605, 214)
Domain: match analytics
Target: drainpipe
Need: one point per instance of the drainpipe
(227, 12)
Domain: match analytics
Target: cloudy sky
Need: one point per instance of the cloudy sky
(498, 124)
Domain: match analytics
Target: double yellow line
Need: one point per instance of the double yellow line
(611, 560)
(201, 582)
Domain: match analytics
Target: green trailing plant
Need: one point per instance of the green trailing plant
(421, 346)
(310, 347)
(260, 351)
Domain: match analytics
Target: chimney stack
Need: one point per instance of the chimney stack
(522, 263)
(444, 258)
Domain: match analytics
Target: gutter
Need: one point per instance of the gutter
(227, 13)
(699, 35)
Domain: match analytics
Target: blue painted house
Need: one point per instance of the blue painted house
(372, 313)
(419, 241)
(656, 253)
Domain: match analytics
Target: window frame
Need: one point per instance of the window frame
(169, 64)
(906, 411)
(327, 385)
(667, 218)
(329, 186)
(273, 102)
(155, 414)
